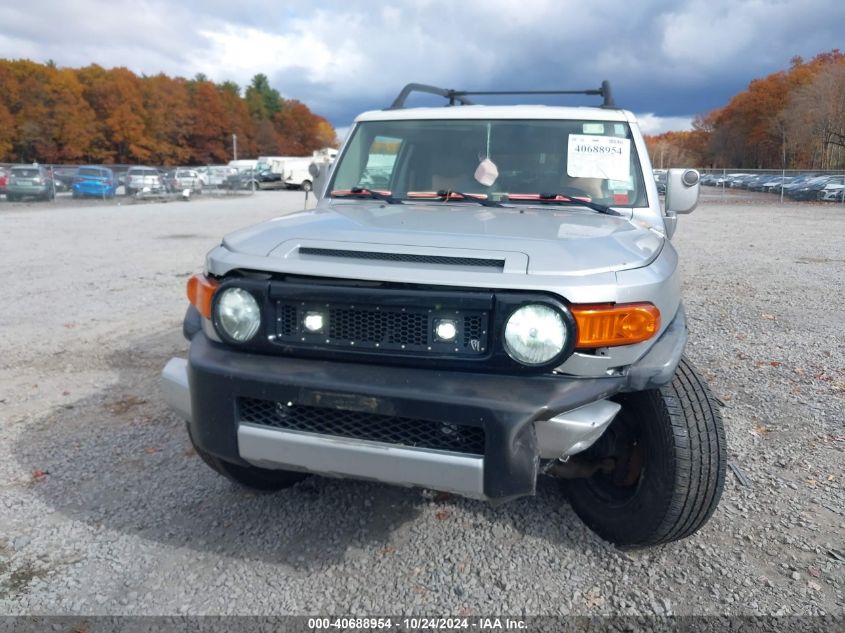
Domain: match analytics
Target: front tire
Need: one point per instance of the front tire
(670, 451)
(253, 477)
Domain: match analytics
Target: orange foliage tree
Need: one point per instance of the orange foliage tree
(791, 119)
(100, 115)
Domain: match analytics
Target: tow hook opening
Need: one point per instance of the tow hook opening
(579, 467)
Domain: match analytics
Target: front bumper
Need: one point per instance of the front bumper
(513, 412)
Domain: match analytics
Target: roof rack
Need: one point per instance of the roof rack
(460, 96)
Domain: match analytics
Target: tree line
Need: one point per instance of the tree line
(107, 116)
(791, 119)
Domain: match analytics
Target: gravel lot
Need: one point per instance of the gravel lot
(105, 509)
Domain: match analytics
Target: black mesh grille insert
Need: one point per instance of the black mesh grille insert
(473, 330)
(498, 264)
(364, 426)
(287, 319)
(375, 326)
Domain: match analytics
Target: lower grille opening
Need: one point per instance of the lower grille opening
(363, 426)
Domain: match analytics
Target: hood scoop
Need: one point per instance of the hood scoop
(497, 265)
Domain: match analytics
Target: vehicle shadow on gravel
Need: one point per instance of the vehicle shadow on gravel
(120, 460)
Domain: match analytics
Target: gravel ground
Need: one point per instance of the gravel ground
(105, 509)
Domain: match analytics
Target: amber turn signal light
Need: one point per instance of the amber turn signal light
(607, 325)
(201, 291)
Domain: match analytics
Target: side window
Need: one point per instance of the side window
(381, 162)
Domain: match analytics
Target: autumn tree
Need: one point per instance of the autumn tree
(168, 118)
(209, 133)
(117, 99)
(93, 114)
(297, 129)
(238, 119)
(757, 128)
(815, 118)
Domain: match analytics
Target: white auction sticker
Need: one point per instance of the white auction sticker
(598, 157)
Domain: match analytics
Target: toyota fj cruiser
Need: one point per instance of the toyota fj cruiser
(483, 295)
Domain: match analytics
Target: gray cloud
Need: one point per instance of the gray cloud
(672, 59)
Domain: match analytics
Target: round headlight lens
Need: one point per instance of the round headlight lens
(238, 314)
(535, 334)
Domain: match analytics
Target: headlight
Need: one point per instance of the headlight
(238, 314)
(535, 334)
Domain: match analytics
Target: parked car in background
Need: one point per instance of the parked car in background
(798, 182)
(810, 190)
(29, 181)
(97, 182)
(186, 179)
(63, 177)
(143, 179)
(833, 190)
(216, 175)
(757, 182)
(775, 184)
(4, 178)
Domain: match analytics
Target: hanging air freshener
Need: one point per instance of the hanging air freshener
(487, 172)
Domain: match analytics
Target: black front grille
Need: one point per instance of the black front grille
(363, 426)
(498, 264)
(382, 328)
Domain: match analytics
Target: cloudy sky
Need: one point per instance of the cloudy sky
(666, 59)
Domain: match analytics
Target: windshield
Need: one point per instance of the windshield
(91, 171)
(594, 160)
(25, 172)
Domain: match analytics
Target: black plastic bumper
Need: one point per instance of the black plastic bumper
(505, 406)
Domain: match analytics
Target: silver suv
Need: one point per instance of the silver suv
(29, 181)
(484, 295)
(143, 180)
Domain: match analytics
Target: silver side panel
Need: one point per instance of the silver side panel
(174, 387)
(439, 470)
(574, 431)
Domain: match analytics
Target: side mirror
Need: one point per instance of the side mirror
(682, 189)
(318, 173)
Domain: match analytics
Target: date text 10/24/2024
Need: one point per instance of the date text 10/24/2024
(416, 624)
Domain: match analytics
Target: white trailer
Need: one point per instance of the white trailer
(295, 172)
(244, 164)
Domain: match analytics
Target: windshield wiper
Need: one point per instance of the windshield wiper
(370, 193)
(563, 200)
(447, 196)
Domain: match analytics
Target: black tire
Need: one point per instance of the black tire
(10, 197)
(677, 455)
(253, 477)
(306, 185)
(128, 191)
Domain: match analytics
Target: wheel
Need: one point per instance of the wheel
(128, 191)
(669, 452)
(10, 197)
(306, 185)
(249, 476)
(75, 194)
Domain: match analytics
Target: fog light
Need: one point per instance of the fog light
(446, 330)
(314, 321)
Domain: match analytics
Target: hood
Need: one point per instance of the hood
(544, 240)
